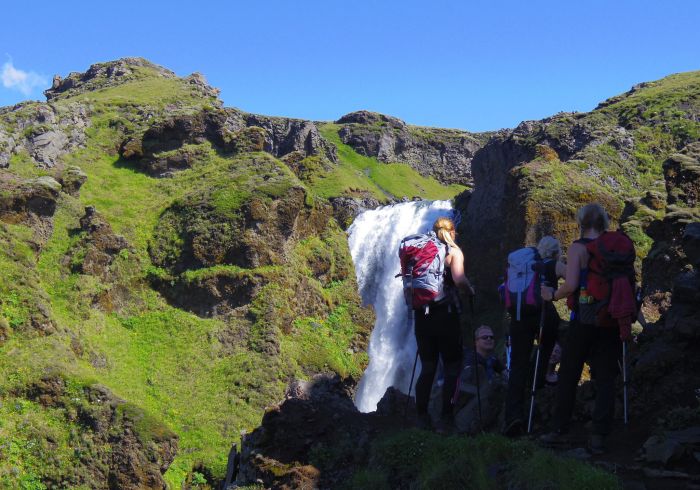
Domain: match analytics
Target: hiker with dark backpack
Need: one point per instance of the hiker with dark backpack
(599, 288)
(432, 267)
(531, 318)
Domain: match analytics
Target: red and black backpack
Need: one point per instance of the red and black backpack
(611, 280)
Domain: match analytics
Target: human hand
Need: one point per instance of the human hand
(547, 293)
(626, 332)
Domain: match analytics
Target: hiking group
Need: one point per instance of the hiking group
(598, 282)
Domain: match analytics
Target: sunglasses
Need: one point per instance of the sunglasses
(486, 337)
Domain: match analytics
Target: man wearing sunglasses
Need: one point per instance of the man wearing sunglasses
(465, 400)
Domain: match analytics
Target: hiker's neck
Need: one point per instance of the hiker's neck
(483, 353)
(591, 233)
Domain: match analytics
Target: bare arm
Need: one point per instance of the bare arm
(455, 261)
(577, 256)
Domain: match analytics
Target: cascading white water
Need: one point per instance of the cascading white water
(374, 243)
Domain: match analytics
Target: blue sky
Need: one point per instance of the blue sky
(474, 65)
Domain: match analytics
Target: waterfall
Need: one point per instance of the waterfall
(374, 242)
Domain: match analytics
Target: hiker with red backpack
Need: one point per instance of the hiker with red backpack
(599, 287)
(531, 319)
(432, 267)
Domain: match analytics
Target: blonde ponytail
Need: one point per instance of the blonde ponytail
(443, 228)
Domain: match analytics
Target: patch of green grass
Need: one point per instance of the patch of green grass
(22, 165)
(356, 174)
(419, 459)
(322, 345)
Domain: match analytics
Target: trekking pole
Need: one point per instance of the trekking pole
(624, 378)
(476, 360)
(408, 398)
(537, 367)
(409, 319)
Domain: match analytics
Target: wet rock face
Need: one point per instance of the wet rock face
(440, 153)
(120, 445)
(346, 209)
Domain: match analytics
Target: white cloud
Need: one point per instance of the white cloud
(23, 81)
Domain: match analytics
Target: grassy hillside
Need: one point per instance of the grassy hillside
(204, 377)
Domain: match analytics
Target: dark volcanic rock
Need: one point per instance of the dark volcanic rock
(367, 117)
(284, 135)
(440, 153)
(691, 244)
(667, 259)
(98, 247)
(30, 202)
(316, 416)
(346, 209)
(194, 237)
(171, 144)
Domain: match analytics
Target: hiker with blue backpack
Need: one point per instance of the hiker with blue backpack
(432, 268)
(599, 287)
(532, 319)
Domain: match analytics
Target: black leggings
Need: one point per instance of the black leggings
(438, 335)
(603, 347)
(522, 335)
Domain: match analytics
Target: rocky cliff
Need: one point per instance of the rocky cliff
(530, 181)
(445, 154)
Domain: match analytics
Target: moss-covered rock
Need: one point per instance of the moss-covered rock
(113, 444)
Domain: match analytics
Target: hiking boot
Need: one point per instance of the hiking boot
(514, 428)
(596, 444)
(554, 438)
(423, 422)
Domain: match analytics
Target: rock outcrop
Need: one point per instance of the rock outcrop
(97, 247)
(103, 75)
(284, 135)
(316, 417)
(666, 258)
(444, 154)
(45, 132)
(30, 202)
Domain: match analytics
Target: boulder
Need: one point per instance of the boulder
(671, 445)
(72, 179)
(316, 417)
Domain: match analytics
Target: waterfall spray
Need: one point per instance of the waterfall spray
(374, 242)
